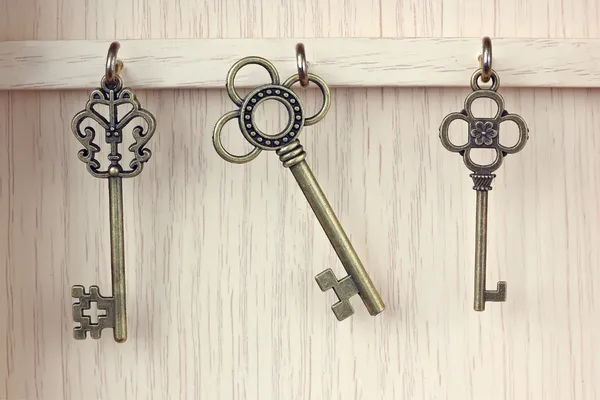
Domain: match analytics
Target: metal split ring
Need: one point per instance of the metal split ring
(485, 59)
(479, 74)
(113, 65)
(302, 65)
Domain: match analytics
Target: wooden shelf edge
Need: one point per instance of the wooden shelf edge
(342, 62)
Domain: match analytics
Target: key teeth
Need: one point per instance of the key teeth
(342, 310)
(79, 333)
(77, 291)
(84, 299)
(326, 280)
(344, 289)
(497, 295)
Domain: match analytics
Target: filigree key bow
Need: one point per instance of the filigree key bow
(113, 96)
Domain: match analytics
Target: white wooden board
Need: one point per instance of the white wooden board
(352, 62)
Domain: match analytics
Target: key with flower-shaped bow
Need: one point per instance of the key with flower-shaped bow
(483, 133)
(292, 155)
(113, 98)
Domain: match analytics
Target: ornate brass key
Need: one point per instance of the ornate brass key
(483, 133)
(111, 95)
(292, 155)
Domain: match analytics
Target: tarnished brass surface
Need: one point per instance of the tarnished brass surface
(481, 294)
(112, 96)
(484, 133)
(117, 256)
(336, 235)
(292, 155)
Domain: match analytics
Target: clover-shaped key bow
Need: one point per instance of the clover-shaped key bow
(483, 133)
(282, 93)
(113, 97)
(292, 155)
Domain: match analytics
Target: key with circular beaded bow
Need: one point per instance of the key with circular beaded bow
(292, 155)
(484, 133)
(113, 97)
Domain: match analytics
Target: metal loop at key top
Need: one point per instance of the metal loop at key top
(111, 96)
(292, 155)
(483, 133)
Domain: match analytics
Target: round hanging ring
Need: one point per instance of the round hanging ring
(485, 59)
(113, 65)
(302, 65)
(479, 74)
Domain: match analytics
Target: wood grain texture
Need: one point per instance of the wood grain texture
(345, 62)
(220, 258)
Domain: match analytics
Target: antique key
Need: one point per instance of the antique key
(292, 155)
(112, 96)
(484, 133)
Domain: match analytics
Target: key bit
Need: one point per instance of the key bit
(112, 96)
(344, 289)
(292, 155)
(85, 321)
(483, 133)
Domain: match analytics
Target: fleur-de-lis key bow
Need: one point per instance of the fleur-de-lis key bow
(484, 133)
(113, 97)
(292, 155)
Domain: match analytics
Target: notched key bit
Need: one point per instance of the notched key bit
(292, 155)
(111, 97)
(483, 133)
(85, 321)
(344, 289)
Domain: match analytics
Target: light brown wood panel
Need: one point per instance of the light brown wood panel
(220, 258)
(136, 19)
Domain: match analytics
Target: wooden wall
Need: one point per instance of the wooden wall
(220, 258)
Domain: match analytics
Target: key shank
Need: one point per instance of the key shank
(117, 257)
(482, 187)
(114, 307)
(480, 250)
(293, 157)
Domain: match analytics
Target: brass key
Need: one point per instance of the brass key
(292, 155)
(483, 133)
(112, 96)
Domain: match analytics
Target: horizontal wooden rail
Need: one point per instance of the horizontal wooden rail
(344, 62)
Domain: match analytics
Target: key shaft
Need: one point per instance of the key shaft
(480, 250)
(293, 156)
(481, 294)
(117, 255)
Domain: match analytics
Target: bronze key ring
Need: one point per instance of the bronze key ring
(485, 59)
(302, 65)
(114, 66)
